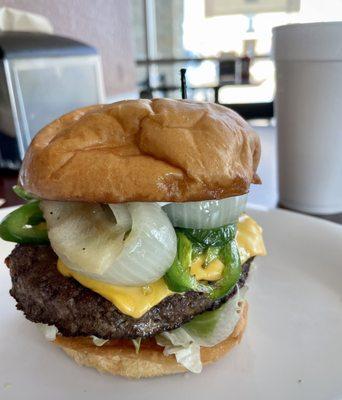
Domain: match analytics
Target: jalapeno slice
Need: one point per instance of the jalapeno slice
(230, 257)
(25, 225)
(216, 243)
(178, 277)
(210, 237)
(22, 193)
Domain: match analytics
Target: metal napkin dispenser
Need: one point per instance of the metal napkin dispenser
(42, 76)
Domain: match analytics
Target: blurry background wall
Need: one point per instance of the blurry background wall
(103, 24)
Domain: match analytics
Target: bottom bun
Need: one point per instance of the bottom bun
(118, 357)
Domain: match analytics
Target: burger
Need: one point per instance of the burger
(133, 247)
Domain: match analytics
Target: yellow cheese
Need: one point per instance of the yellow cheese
(250, 243)
(249, 238)
(133, 301)
(136, 301)
(212, 272)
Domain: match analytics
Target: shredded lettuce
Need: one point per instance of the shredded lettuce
(137, 343)
(206, 330)
(182, 345)
(49, 331)
(212, 327)
(189, 356)
(98, 341)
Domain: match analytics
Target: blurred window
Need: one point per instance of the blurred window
(208, 36)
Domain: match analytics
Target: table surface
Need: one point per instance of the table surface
(261, 196)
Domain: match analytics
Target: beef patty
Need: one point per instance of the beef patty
(46, 296)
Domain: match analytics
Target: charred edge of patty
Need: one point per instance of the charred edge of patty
(48, 297)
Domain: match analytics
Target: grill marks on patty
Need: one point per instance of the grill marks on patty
(46, 296)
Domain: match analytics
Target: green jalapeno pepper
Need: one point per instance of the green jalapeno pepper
(210, 237)
(178, 277)
(25, 225)
(230, 257)
(216, 243)
(23, 194)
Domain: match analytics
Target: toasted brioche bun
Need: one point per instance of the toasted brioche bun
(143, 150)
(119, 359)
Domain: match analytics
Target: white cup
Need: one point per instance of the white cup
(309, 116)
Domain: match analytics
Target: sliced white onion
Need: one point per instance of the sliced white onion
(122, 216)
(206, 214)
(84, 236)
(149, 249)
(90, 239)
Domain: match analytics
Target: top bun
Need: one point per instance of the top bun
(143, 150)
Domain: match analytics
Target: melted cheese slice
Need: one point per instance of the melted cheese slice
(212, 272)
(249, 238)
(136, 301)
(133, 301)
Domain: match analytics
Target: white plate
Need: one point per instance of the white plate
(292, 348)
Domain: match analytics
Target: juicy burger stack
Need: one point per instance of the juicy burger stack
(133, 247)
